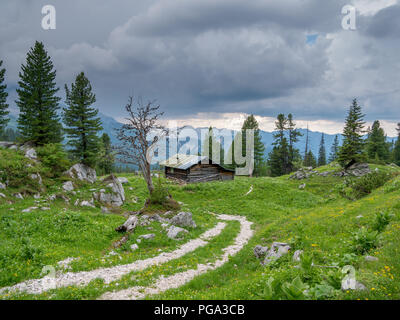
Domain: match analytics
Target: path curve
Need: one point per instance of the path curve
(83, 278)
(179, 279)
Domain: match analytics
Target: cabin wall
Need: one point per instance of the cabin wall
(200, 173)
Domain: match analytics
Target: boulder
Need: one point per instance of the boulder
(123, 180)
(82, 172)
(359, 169)
(147, 236)
(174, 232)
(183, 219)
(134, 247)
(6, 144)
(68, 186)
(114, 197)
(297, 254)
(2, 186)
(260, 251)
(303, 173)
(278, 249)
(30, 153)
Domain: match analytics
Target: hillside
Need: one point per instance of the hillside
(60, 236)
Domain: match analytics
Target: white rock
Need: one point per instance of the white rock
(123, 180)
(278, 249)
(360, 216)
(45, 208)
(87, 204)
(37, 176)
(302, 186)
(297, 254)
(36, 196)
(2, 195)
(29, 209)
(105, 210)
(134, 247)
(115, 197)
(68, 186)
(82, 172)
(174, 232)
(31, 153)
(183, 219)
(147, 236)
(52, 197)
(2, 186)
(18, 196)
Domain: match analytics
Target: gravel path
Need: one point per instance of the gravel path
(37, 286)
(181, 278)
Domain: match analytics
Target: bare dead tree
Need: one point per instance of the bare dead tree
(137, 136)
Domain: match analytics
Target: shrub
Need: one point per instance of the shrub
(382, 219)
(365, 240)
(159, 194)
(54, 158)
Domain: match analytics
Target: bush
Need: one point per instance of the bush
(365, 240)
(54, 158)
(159, 194)
(356, 188)
(382, 219)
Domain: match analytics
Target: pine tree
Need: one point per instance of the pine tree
(278, 160)
(352, 149)
(377, 147)
(310, 160)
(396, 150)
(214, 147)
(3, 101)
(334, 149)
(322, 152)
(259, 148)
(82, 123)
(294, 135)
(38, 121)
(106, 162)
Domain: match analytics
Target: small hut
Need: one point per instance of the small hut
(192, 169)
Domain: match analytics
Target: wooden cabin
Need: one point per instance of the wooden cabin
(194, 169)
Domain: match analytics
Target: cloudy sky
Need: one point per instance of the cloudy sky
(211, 62)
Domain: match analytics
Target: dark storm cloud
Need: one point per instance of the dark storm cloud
(385, 24)
(213, 56)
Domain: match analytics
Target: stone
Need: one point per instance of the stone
(2, 195)
(303, 173)
(123, 180)
(29, 209)
(7, 144)
(147, 236)
(18, 196)
(260, 251)
(105, 210)
(174, 232)
(36, 196)
(183, 219)
(297, 254)
(2, 186)
(360, 216)
(134, 247)
(278, 249)
(88, 204)
(37, 176)
(359, 169)
(351, 284)
(371, 258)
(302, 186)
(65, 264)
(68, 186)
(76, 203)
(115, 197)
(30, 153)
(52, 197)
(45, 208)
(82, 172)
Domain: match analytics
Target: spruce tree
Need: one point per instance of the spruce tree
(396, 150)
(82, 123)
(322, 152)
(334, 150)
(377, 147)
(352, 149)
(212, 153)
(106, 158)
(3, 101)
(278, 159)
(310, 160)
(294, 135)
(38, 121)
(259, 148)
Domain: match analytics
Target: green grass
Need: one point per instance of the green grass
(317, 220)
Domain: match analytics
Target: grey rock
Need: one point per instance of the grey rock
(2, 186)
(302, 186)
(68, 186)
(30, 153)
(45, 208)
(36, 196)
(371, 258)
(7, 144)
(2, 195)
(351, 284)
(260, 251)
(123, 180)
(52, 197)
(147, 236)
(87, 204)
(18, 196)
(183, 219)
(29, 209)
(105, 210)
(278, 249)
(174, 232)
(297, 254)
(37, 176)
(115, 197)
(82, 172)
(134, 247)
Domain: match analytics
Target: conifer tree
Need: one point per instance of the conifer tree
(334, 150)
(322, 152)
(259, 148)
(352, 149)
(82, 123)
(38, 121)
(377, 147)
(396, 150)
(106, 157)
(278, 160)
(294, 135)
(310, 160)
(3, 101)
(214, 147)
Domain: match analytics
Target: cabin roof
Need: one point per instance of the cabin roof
(186, 161)
(183, 161)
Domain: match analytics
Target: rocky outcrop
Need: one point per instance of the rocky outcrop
(303, 173)
(115, 196)
(260, 251)
(183, 219)
(278, 249)
(356, 170)
(82, 172)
